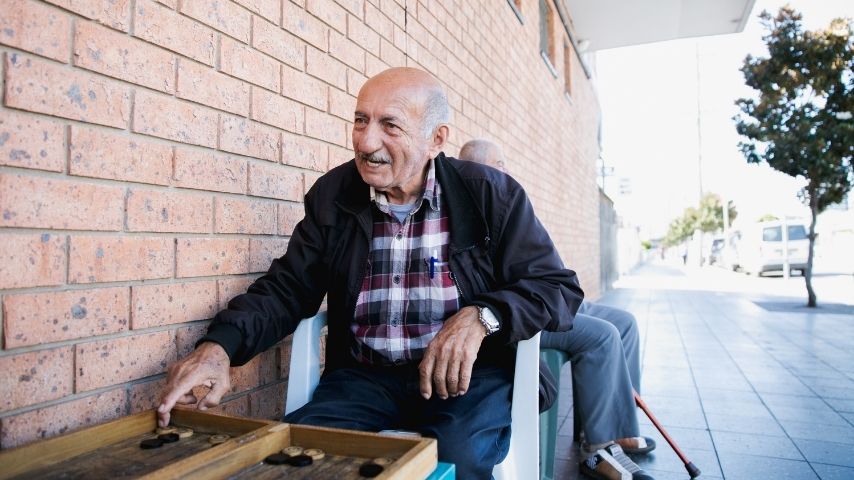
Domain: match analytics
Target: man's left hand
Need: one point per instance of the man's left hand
(448, 360)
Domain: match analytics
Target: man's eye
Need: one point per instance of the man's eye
(391, 126)
(360, 121)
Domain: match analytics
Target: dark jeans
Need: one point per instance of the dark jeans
(473, 430)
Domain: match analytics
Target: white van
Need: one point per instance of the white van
(759, 247)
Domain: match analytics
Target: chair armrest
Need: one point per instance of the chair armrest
(305, 362)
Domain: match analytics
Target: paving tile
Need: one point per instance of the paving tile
(832, 453)
(665, 460)
(688, 439)
(761, 445)
(823, 414)
(840, 433)
(832, 472)
(748, 467)
(841, 404)
(741, 424)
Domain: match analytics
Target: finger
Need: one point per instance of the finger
(466, 366)
(186, 399)
(426, 373)
(452, 377)
(440, 371)
(163, 417)
(214, 396)
(174, 391)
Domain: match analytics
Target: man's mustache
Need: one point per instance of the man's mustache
(374, 157)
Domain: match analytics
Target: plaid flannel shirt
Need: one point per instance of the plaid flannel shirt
(403, 303)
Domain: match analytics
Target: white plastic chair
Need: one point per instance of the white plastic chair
(522, 460)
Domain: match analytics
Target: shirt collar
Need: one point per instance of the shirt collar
(431, 194)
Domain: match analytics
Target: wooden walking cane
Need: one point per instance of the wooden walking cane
(693, 471)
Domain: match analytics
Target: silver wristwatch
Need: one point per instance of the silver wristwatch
(488, 319)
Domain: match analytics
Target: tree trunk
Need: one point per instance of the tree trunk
(811, 301)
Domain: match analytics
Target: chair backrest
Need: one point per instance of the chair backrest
(522, 460)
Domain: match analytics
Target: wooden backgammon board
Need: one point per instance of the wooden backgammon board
(126, 448)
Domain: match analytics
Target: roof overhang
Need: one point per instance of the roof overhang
(602, 24)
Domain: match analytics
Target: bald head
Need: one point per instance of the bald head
(420, 88)
(483, 151)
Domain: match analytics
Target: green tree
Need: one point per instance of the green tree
(710, 215)
(800, 122)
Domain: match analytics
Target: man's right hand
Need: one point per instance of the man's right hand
(208, 365)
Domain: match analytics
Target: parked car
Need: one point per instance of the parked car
(758, 248)
(716, 252)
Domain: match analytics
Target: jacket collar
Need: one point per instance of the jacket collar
(467, 222)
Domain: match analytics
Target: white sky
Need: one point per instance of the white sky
(649, 100)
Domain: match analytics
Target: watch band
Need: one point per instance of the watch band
(488, 320)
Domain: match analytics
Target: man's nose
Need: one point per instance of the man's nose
(369, 139)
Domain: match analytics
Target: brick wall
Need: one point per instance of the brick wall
(154, 154)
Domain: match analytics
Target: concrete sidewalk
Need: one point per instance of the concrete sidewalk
(751, 384)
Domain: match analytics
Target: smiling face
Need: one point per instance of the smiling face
(391, 146)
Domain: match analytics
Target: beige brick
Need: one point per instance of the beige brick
(205, 85)
(31, 142)
(63, 418)
(109, 362)
(114, 259)
(342, 105)
(277, 43)
(172, 119)
(304, 88)
(324, 126)
(395, 11)
(223, 16)
(364, 36)
(391, 54)
(309, 179)
(269, 9)
(304, 25)
(277, 111)
(212, 256)
(269, 402)
(245, 216)
(347, 51)
(31, 260)
(36, 318)
(40, 202)
(337, 156)
(43, 87)
(167, 28)
(106, 51)
(35, 377)
(100, 154)
(35, 28)
(374, 65)
(304, 152)
(275, 181)
(229, 288)
(112, 13)
(170, 303)
(187, 337)
(356, 7)
(379, 22)
(146, 395)
(168, 211)
(209, 171)
(326, 68)
(239, 135)
(289, 215)
(331, 14)
(242, 62)
(355, 80)
(235, 407)
(262, 252)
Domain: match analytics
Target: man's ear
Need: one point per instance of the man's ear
(440, 137)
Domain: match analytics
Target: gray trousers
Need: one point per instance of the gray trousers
(603, 347)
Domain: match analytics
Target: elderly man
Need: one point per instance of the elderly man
(603, 346)
(434, 269)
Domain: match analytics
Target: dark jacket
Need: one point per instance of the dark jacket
(500, 257)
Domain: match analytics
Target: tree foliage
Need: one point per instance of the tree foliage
(707, 217)
(800, 121)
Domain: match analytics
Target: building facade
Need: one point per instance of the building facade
(154, 156)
